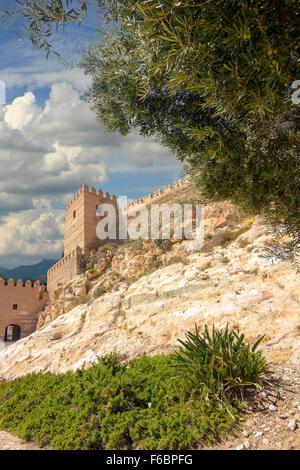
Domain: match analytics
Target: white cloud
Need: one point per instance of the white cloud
(63, 159)
(46, 154)
(52, 149)
(55, 149)
(37, 231)
(24, 77)
(21, 112)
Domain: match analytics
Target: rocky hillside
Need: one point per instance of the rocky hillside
(140, 297)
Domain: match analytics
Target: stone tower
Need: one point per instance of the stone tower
(81, 219)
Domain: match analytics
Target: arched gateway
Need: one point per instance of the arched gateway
(12, 333)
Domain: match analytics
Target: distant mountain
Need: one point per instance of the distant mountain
(33, 272)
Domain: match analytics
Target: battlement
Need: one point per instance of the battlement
(103, 198)
(82, 219)
(19, 307)
(36, 287)
(65, 269)
(150, 198)
(74, 254)
(20, 283)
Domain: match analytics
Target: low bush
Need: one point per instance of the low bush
(242, 242)
(164, 244)
(176, 401)
(227, 237)
(206, 266)
(109, 246)
(139, 404)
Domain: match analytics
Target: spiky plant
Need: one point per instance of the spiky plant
(221, 361)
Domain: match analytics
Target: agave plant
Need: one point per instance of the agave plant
(221, 361)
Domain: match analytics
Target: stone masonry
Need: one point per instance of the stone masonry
(81, 219)
(20, 306)
(80, 235)
(80, 230)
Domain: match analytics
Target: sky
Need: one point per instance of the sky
(51, 144)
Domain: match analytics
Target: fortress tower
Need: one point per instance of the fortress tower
(80, 231)
(81, 219)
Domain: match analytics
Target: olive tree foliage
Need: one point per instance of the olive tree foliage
(212, 81)
(36, 19)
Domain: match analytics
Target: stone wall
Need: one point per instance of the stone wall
(28, 302)
(64, 270)
(154, 198)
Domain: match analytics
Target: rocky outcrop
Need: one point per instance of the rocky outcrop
(148, 296)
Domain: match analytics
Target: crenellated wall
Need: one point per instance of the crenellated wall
(80, 230)
(28, 301)
(65, 269)
(153, 198)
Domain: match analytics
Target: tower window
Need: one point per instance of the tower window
(74, 214)
(15, 307)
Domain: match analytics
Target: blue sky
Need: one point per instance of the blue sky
(51, 144)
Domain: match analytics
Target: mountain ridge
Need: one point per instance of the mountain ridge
(33, 271)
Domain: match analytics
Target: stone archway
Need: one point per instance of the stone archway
(12, 333)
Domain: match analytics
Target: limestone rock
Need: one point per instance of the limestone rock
(147, 298)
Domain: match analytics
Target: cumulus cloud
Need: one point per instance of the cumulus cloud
(47, 153)
(46, 150)
(21, 112)
(55, 149)
(36, 231)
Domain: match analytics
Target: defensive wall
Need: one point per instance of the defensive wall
(80, 230)
(154, 198)
(20, 306)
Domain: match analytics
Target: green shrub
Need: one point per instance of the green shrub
(146, 403)
(100, 290)
(228, 237)
(156, 263)
(113, 405)
(220, 362)
(206, 266)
